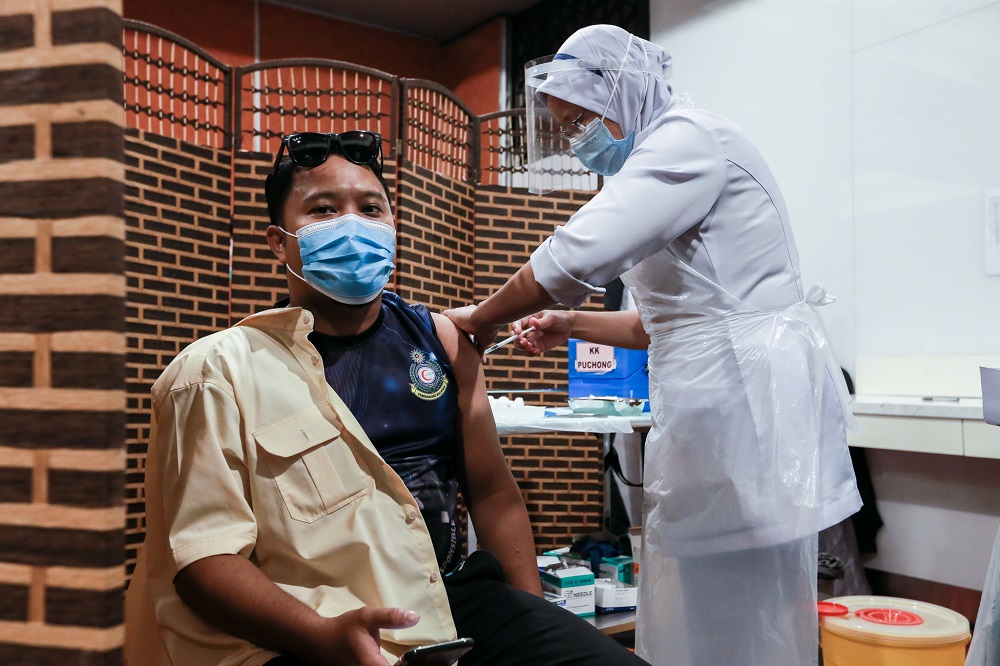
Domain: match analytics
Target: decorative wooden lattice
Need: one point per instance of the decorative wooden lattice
(287, 96)
(503, 154)
(174, 88)
(502, 158)
(196, 258)
(438, 131)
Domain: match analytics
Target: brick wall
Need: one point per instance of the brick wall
(434, 253)
(177, 201)
(561, 476)
(97, 296)
(258, 280)
(62, 333)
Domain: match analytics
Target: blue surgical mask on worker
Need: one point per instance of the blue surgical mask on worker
(348, 258)
(599, 150)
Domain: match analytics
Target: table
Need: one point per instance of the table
(534, 420)
(613, 624)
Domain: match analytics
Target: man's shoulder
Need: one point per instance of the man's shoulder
(206, 359)
(417, 312)
(393, 300)
(438, 325)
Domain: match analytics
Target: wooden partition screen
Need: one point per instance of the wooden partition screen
(201, 140)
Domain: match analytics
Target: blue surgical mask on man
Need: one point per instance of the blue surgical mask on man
(348, 258)
(599, 150)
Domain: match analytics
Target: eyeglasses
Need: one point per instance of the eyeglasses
(574, 128)
(310, 149)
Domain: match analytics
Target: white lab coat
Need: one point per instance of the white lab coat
(747, 458)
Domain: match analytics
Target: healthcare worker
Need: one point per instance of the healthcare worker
(747, 457)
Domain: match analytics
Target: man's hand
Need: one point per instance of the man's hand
(552, 328)
(352, 639)
(482, 336)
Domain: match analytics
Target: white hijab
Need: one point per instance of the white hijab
(639, 98)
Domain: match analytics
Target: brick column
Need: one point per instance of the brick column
(62, 332)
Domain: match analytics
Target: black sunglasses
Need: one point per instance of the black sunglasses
(310, 149)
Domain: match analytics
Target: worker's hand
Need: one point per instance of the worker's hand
(552, 328)
(352, 639)
(482, 336)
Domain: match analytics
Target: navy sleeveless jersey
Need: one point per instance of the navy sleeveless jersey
(397, 381)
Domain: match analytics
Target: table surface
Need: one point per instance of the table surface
(613, 623)
(926, 407)
(533, 419)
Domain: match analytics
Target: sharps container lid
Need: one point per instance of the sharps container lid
(894, 621)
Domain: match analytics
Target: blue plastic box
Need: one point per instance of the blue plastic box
(605, 371)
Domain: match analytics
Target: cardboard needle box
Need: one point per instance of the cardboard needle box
(556, 599)
(617, 568)
(613, 595)
(575, 584)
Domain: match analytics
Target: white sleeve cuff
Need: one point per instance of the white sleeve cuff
(560, 285)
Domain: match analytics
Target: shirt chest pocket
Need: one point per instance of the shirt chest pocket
(310, 463)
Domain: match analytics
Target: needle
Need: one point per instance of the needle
(507, 341)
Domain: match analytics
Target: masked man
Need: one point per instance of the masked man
(304, 465)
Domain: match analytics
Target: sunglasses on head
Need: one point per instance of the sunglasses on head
(310, 149)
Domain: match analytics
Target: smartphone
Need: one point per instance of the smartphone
(438, 654)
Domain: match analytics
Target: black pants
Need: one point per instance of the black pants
(514, 628)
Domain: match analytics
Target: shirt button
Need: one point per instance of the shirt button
(306, 319)
(434, 577)
(314, 359)
(411, 515)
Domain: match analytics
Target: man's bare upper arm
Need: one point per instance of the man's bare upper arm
(461, 353)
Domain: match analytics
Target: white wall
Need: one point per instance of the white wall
(926, 88)
(881, 121)
(780, 69)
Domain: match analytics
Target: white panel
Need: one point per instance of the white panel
(922, 375)
(909, 434)
(780, 69)
(877, 21)
(941, 515)
(935, 544)
(982, 440)
(926, 148)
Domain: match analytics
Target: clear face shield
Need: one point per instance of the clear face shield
(551, 163)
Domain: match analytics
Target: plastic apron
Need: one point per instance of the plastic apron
(732, 493)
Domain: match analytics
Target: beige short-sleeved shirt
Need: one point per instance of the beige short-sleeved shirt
(252, 453)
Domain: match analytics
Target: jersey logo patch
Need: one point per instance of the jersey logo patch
(427, 379)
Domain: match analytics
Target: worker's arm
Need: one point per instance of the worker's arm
(553, 327)
(231, 593)
(495, 504)
(520, 296)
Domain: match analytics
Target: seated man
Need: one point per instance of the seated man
(303, 466)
